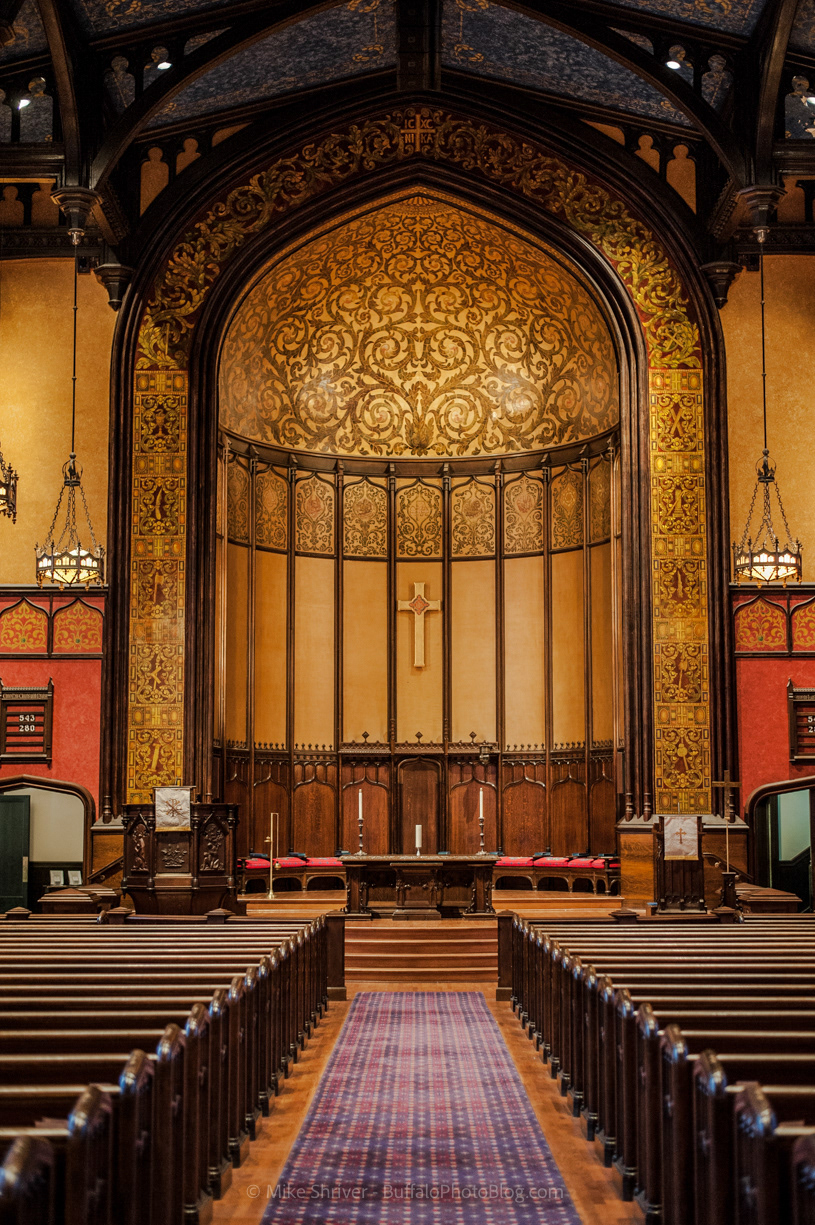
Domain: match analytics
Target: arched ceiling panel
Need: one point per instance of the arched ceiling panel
(803, 32)
(341, 42)
(418, 329)
(492, 41)
(732, 16)
(103, 18)
(29, 35)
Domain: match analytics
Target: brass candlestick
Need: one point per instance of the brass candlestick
(274, 829)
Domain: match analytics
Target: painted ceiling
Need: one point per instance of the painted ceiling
(356, 37)
(100, 17)
(732, 16)
(492, 41)
(803, 32)
(418, 329)
(29, 35)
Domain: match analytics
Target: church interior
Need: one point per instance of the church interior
(407, 630)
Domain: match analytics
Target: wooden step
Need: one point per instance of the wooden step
(444, 975)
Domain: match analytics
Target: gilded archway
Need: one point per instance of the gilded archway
(676, 420)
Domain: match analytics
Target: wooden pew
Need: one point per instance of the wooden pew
(27, 1182)
(82, 1164)
(283, 995)
(574, 1013)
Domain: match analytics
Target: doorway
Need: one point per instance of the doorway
(783, 833)
(15, 824)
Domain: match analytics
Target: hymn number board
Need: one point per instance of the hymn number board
(26, 717)
(801, 707)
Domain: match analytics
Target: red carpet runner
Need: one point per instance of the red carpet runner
(420, 1117)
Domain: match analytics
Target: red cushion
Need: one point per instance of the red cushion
(257, 863)
(598, 863)
(552, 861)
(325, 863)
(509, 862)
(289, 863)
(583, 863)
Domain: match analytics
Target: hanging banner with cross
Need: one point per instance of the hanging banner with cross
(418, 605)
(680, 832)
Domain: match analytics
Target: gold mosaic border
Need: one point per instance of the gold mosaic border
(676, 407)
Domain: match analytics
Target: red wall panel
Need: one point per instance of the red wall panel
(764, 741)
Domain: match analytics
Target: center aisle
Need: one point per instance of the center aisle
(420, 1116)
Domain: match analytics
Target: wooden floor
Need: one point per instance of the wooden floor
(594, 1190)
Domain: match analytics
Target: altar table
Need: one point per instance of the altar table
(419, 886)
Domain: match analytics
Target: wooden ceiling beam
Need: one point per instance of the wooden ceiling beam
(418, 44)
(63, 62)
(243, 34)
(773, 54)
(566, 18)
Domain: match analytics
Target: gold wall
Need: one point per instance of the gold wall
(790, 309)
(36, 323)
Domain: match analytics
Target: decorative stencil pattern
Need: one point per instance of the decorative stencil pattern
(679, 591)
(418, 329)
(271, 510)
(803, 31)
(24, 629)
(567, 510)
(523, 516)
(314, 513)
(418, 521)
(600, 501)
(473, 507)
(237, 502)
(493, 41)
(803, 628)
(77, 628)
(671, 336)
(157, 550)
(761, 626)
(343, 41)
(365, 520)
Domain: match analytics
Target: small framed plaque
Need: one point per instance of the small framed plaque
(57, 877)
(173, 807)
(74, 879)
(680, 834)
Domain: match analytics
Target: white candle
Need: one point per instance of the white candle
(481, 803)
(418, 837)
(360, 803)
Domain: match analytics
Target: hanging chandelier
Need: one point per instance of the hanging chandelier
(8, 477)
(760, 557)
(64, 560)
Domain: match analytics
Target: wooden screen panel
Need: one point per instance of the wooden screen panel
(237, 595)
(314, 652)
(270, 795)
(314, 822)
(270, 648)
(524, 652)
(525, 817)
(568, 818)
(603, 814)
(375, 810)
(365, 651)
(568, 666)
(472, 624)
(463, 806)
(419, 784)
(419, 690)
(602, 661)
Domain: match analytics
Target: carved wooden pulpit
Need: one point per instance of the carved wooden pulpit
(180, 871)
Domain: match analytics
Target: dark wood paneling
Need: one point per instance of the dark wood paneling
(602, 812)
(314, 825)
(463, 807)
(525, 809)
(419, 787)
(568, 818)
(374, 781)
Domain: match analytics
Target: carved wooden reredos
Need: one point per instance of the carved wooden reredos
(495, 406)
(413, 330)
